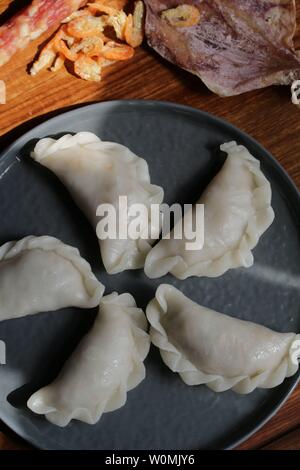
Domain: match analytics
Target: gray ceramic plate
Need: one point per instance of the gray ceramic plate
(181, 146)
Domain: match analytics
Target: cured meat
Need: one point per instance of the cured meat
(235, 46)
(31, 22)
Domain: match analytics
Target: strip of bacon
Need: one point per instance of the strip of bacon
(236, 45)
(31, 22)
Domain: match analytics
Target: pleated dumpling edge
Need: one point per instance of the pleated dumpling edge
(107, 363)
(48, 145)
(209, 338)
(97, 173)
(39, 274)
(169, 255)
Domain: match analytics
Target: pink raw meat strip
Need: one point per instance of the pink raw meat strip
(31, 22)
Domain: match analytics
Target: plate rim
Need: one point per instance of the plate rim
(152, 103)
(107, 106)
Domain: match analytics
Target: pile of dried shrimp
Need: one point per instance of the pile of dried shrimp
(94, 37)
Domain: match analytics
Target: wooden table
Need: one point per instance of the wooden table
(267, 115)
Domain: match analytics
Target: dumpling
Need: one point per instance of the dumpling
(237, 211)
(107, 363)
(38, 274)
(97, 173)
(207, 347)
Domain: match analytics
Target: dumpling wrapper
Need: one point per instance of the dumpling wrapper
(97, 172)
(39, 274)
(107, 363)
(211, 348)
(237, 211)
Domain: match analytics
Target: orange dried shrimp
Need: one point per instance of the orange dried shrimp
(83, 39)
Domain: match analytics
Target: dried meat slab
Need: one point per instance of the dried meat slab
(31, 22)
(237, 45)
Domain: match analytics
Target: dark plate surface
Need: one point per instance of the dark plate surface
(180, 145)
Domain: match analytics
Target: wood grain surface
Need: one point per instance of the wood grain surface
(266, 114)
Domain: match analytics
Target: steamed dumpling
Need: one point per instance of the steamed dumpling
(38, 274)
(207, 347)
(107, 363)
(237, 211)
(95, 173)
